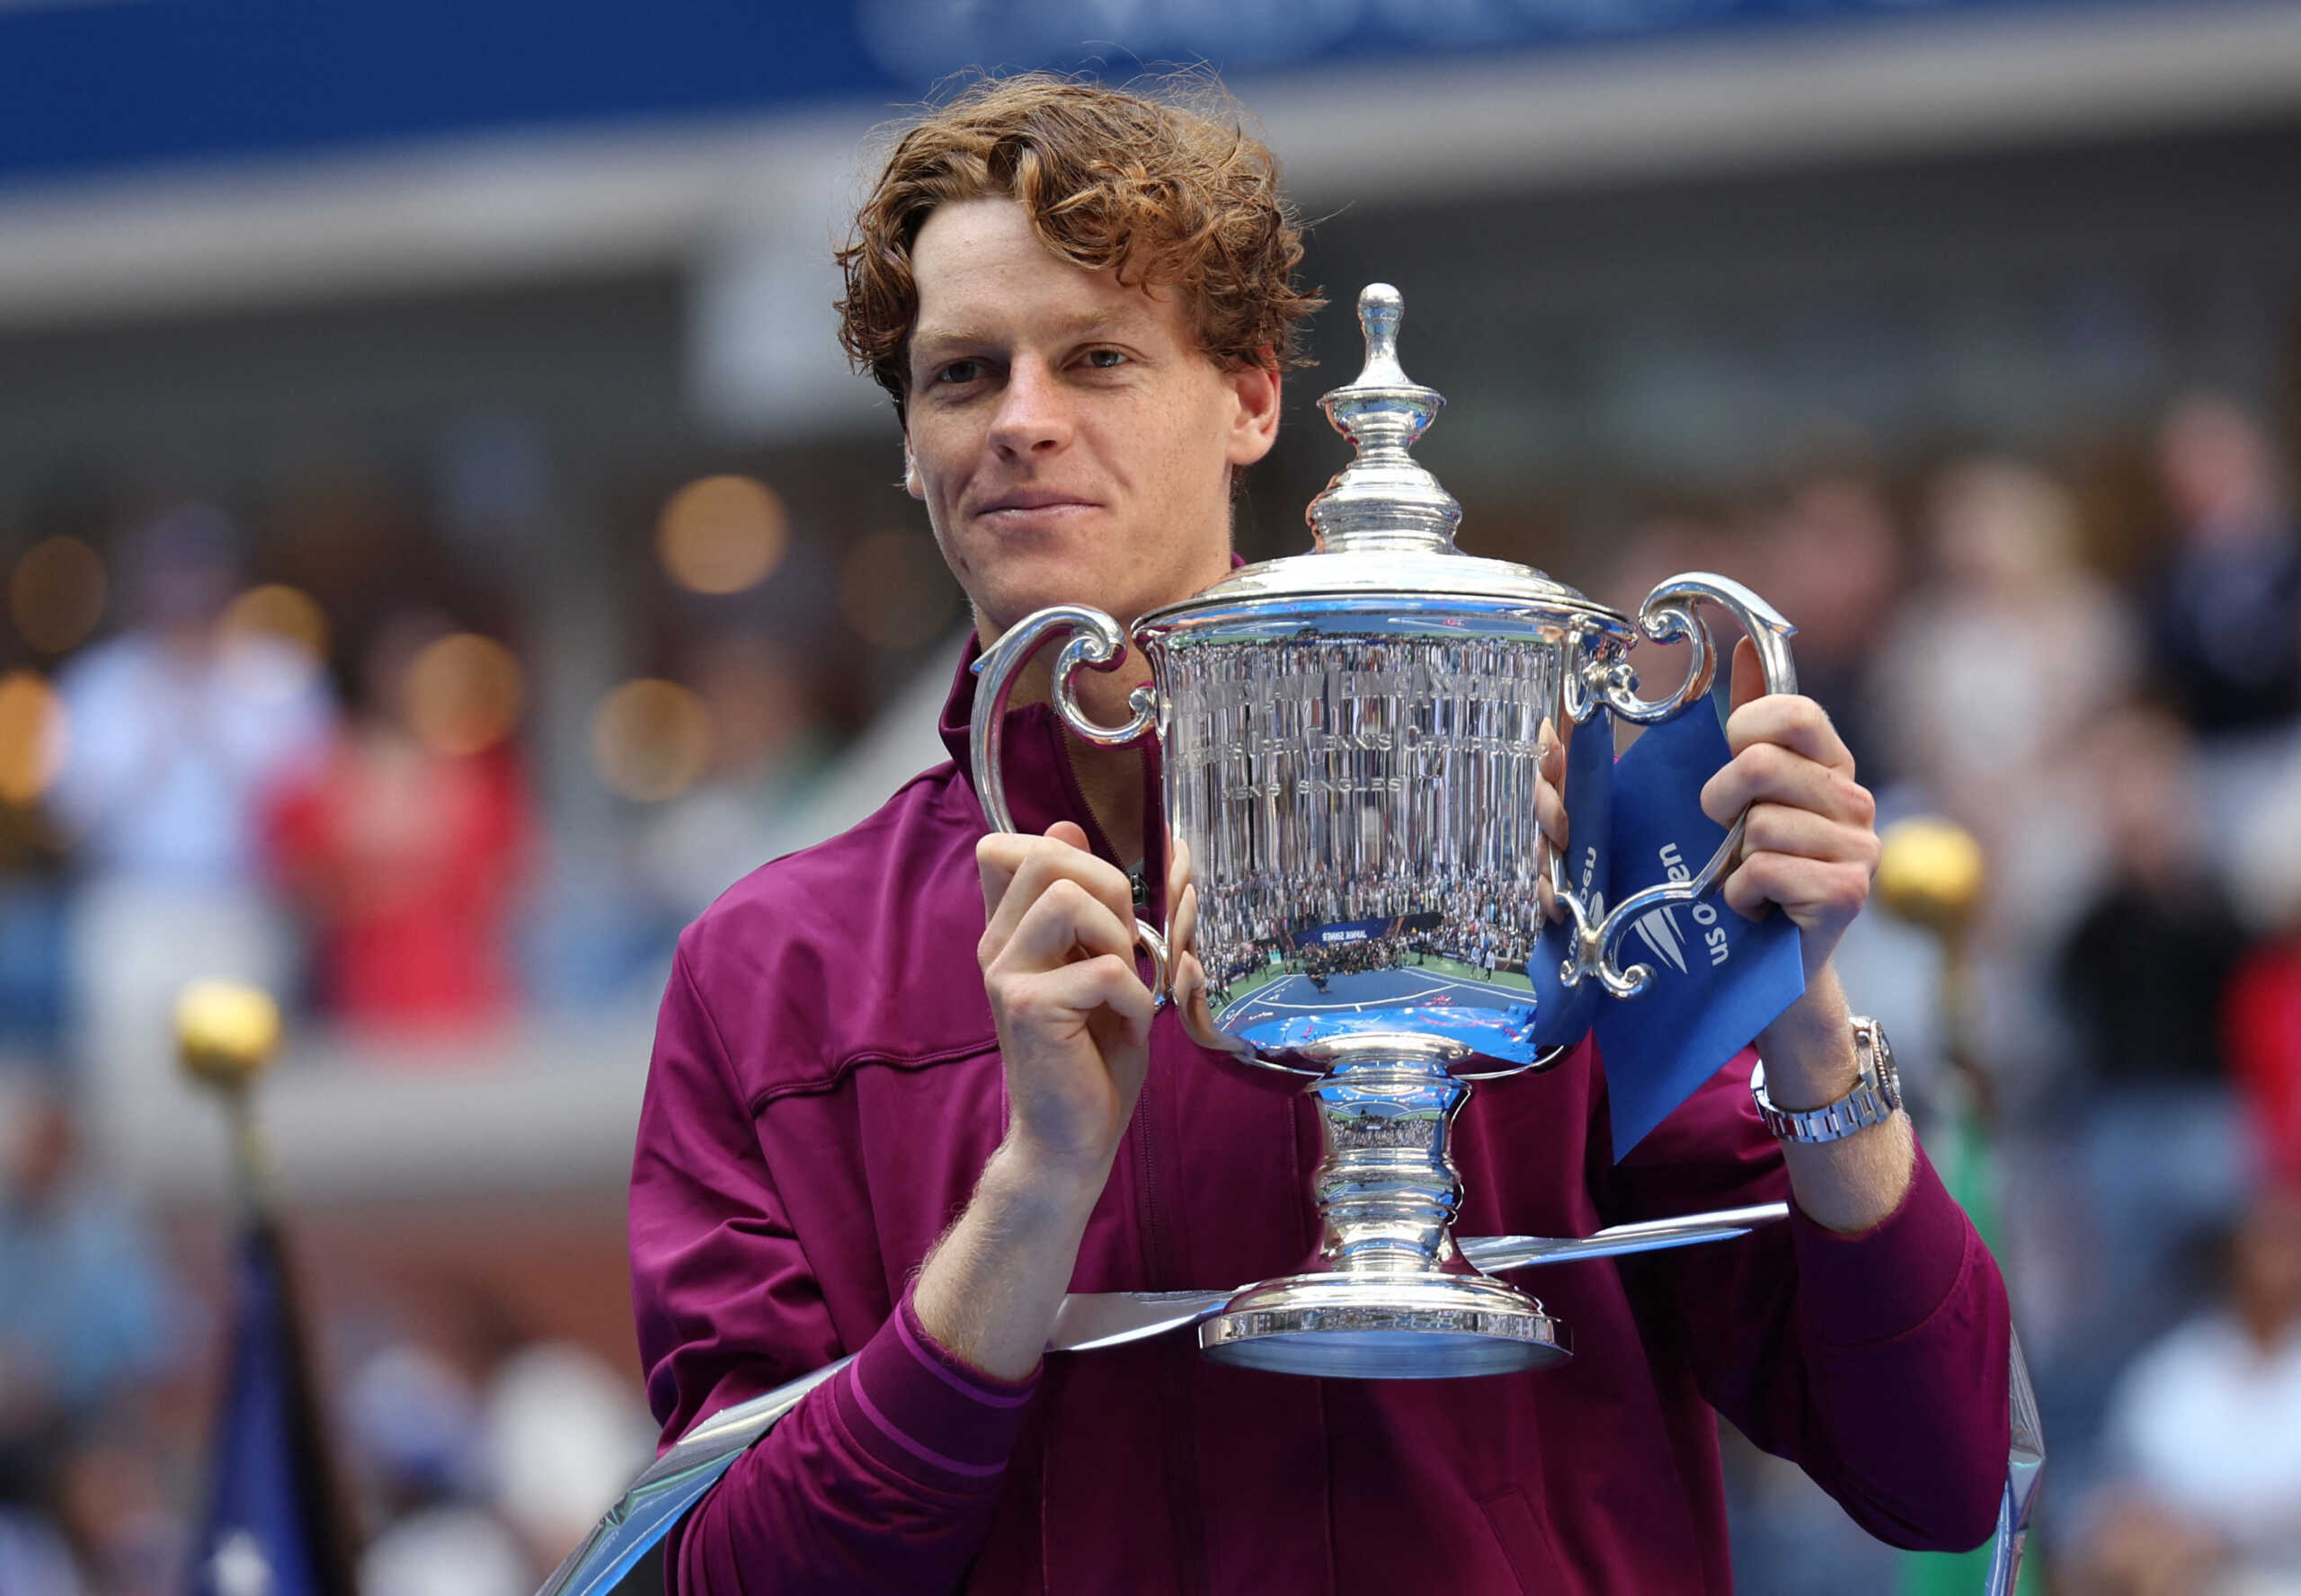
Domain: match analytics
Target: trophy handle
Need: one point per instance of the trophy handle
(1668, 616)
(1097, 641)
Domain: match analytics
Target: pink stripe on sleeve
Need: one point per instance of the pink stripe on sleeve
(925, 1454)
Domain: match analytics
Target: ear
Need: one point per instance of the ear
(911, 484)
(1254, 426)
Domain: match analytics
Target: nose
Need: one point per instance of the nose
(1034, 416)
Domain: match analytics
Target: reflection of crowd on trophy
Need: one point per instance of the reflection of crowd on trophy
(1485, 919)
(1376, 790)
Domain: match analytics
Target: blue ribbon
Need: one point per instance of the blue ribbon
(1718, 980)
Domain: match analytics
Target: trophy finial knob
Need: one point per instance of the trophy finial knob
(1385, 498)
(1381, 309)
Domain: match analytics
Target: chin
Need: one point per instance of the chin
(1014, 600)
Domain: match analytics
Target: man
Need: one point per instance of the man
(857, 1141)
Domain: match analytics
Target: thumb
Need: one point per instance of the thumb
(1749, 675)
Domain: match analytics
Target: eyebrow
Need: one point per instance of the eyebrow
(1067, 327)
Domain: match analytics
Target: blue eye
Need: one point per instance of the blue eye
(960, 372)
(1104, 360)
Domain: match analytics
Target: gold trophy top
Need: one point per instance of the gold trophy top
(225, 1033)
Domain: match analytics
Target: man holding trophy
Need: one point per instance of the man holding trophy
(913, 1086)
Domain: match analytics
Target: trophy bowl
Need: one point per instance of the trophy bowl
(1351, 742)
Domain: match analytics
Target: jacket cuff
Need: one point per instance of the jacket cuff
(926, 1415)
(1858, 1290)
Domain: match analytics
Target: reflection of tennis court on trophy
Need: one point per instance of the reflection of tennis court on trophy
(1290, 1010)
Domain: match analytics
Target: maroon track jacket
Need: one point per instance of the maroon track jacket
(825, 1090)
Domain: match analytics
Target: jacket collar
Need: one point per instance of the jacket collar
(1040, 788)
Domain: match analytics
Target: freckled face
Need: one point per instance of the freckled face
(1070, 442)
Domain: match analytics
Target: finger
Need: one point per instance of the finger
(1795, 722)
(1177, 867)
(1814, 892)
(1549, 813)
(1769, 773)
(1779, 828)
(1047, 860)
(999, 854)
(1183, 931)
(1749, 676)
(1071, 995)
(1550, 783)
(1061, 923)
(1190, 983)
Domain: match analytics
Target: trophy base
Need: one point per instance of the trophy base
(1376, 1326)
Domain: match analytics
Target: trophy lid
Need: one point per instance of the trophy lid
(1383, 525)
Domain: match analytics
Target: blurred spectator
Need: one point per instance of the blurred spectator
(416, 1421)
(34, 1561)
(2205, 1430)
(175, 732)
(1832, 564)
(2144, 969)
(177, 727)
(85, 1309)
(406, 845)
(766, 746)
(2226, 612)
(121, 1507)
(2013, 650)
(2264, 1020)
(565, 1435)
(2142, 977)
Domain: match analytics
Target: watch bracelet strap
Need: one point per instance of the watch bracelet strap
(1871, 1101)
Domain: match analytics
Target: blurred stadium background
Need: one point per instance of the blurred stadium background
(443, 547)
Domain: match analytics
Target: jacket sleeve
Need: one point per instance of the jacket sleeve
(884, 1477)
(1879, 1363)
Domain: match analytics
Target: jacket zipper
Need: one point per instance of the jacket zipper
(1182, 1472)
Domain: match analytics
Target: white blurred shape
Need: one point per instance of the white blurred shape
(446, 1551)
(565, 1435)
(763, 354)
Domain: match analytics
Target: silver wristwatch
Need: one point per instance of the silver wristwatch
(1875, 1096)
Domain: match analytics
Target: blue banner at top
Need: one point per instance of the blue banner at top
(94, 86)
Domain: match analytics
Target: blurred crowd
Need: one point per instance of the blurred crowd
(2120, 727)
(337, 796)
(207, 771)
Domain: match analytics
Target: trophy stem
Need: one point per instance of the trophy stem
(1387, 1189)
(1390, 1298)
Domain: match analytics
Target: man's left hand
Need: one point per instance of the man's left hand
(1811, 845)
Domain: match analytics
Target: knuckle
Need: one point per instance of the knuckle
(1769, 829)
(1768, 760)
(1861, 801)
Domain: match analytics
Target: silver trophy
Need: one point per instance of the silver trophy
(1351, 740)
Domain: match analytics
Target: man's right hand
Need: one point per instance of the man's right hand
(1073, 1016)
(1074, 1031)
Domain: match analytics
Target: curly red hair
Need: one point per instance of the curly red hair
(1176, 196)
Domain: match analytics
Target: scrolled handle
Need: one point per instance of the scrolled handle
(1096, 642)
(1668, 616)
